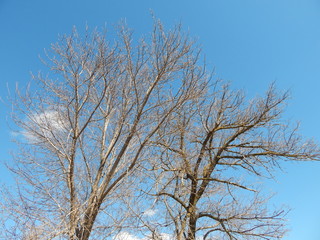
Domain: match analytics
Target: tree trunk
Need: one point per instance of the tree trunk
(84, 231)
(192, 227)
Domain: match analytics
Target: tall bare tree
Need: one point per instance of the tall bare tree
(87, 125)
(116, 125)
(210, 157)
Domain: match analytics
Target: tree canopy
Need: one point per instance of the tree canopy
(125, 136)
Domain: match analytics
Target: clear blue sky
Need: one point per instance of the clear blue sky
(249, 42)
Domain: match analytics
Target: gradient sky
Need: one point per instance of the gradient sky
(249, 42)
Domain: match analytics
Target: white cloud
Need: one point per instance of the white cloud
(50, 119)
(129, 236)
(150, 212)
(126, 236)
(47, 124)
(166, 236)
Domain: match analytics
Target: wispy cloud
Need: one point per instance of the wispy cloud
(129, 236)
(150, 212)
(126, 236)
(47, 124)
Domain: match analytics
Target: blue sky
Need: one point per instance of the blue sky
(249, 42)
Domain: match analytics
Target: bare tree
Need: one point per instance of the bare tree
(211, 156)
(117, 131)
(87, 125)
